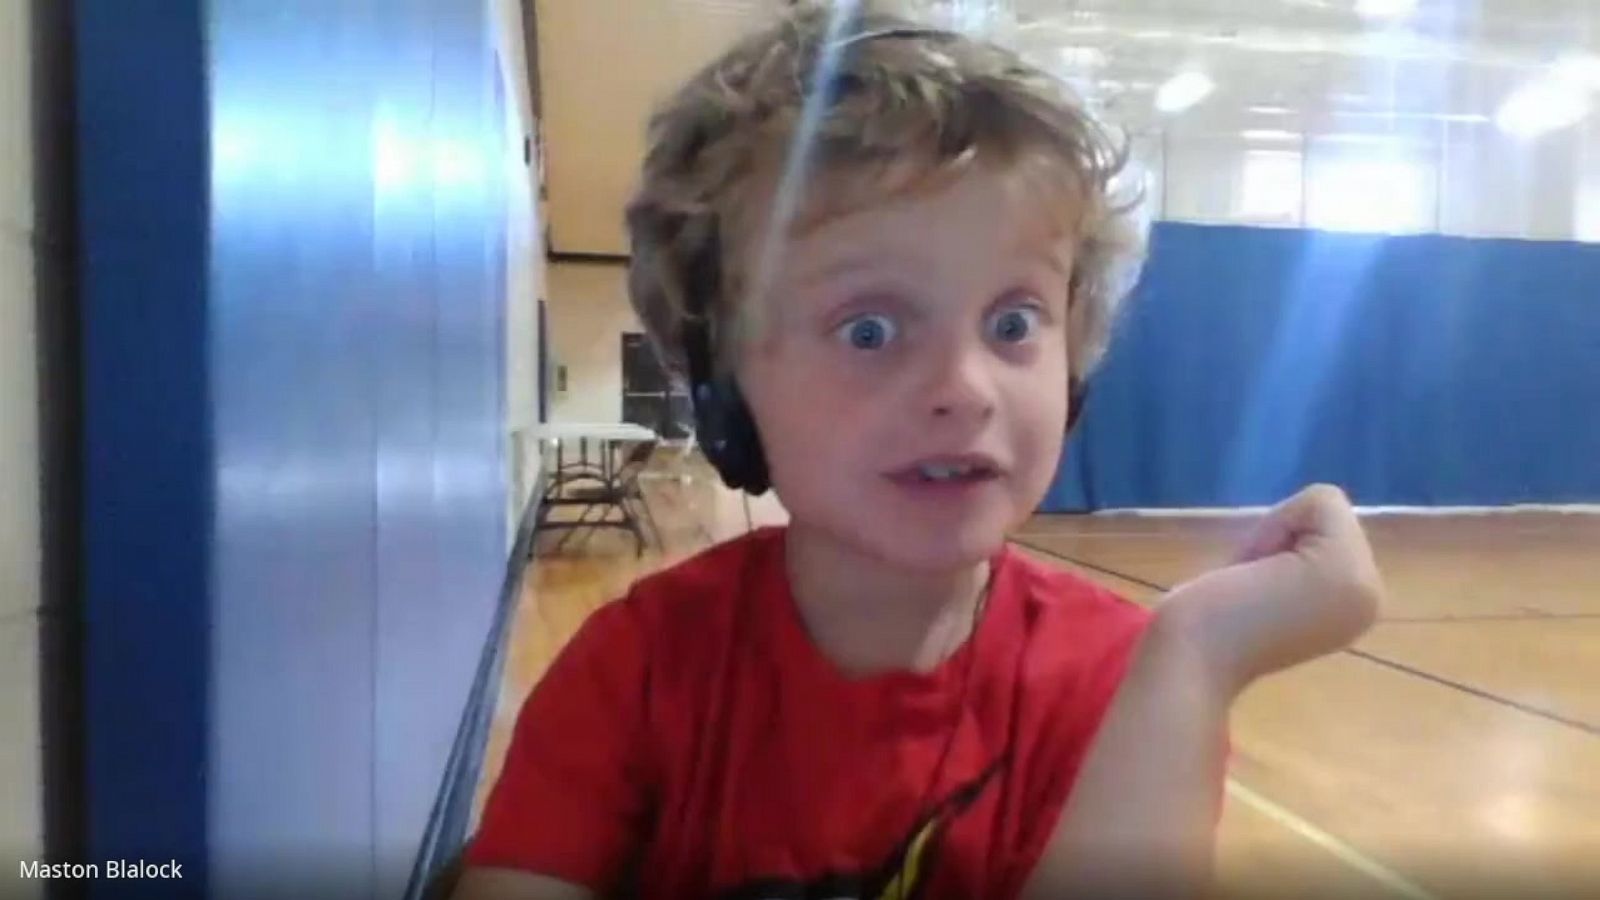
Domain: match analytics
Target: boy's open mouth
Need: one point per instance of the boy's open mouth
(963, 469)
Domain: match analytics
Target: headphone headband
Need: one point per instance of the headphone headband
(904, 32)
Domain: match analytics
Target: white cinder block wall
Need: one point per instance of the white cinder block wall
(589, 312)
(29, 258)
(525, 275)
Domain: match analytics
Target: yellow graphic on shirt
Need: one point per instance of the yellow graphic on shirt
(910, 875)
(903, 876)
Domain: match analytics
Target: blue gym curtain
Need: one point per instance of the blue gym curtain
(1419, 370)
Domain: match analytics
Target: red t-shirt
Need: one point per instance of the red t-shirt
(692, 735)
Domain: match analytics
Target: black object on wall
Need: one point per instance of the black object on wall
(544, 362)
(649, 397)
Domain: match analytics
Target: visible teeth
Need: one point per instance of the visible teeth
(935, 472)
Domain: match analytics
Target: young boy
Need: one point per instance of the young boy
(882, 255)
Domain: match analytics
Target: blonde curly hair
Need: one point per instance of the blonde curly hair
(903, 106)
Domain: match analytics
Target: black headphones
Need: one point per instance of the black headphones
(724, 428)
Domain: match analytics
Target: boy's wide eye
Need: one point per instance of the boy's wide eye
(1015, 324)
(867, 332)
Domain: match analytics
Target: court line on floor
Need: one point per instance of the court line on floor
(1578, 724)
(1092, 566)
(1345, 853)
(1022, 539)
(1489, 617)
(1518, 705)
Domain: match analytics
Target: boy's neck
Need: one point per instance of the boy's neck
(868, 616)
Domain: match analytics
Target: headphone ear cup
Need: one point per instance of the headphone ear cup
(729, 438)
(746, 438)
(1077, 394)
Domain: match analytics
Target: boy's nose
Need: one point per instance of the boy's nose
(961, 385)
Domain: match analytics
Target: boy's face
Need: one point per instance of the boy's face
(910, 384)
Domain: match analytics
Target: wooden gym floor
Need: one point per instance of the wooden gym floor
(1455, 752)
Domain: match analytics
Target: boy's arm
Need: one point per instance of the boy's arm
(1140, 819)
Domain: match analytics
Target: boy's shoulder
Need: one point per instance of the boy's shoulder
(701, 589)
(1073, 623)
(1058, 591)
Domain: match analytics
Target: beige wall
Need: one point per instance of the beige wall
(525, 278)
(588, 312)
(604, 66)
(28, 256)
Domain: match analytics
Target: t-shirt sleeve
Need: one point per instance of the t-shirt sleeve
(573, 792)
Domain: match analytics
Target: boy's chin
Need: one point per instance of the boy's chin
(933, 551)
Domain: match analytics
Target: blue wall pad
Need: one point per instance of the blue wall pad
(1419, 370)
(296, 498)
(147, 537)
